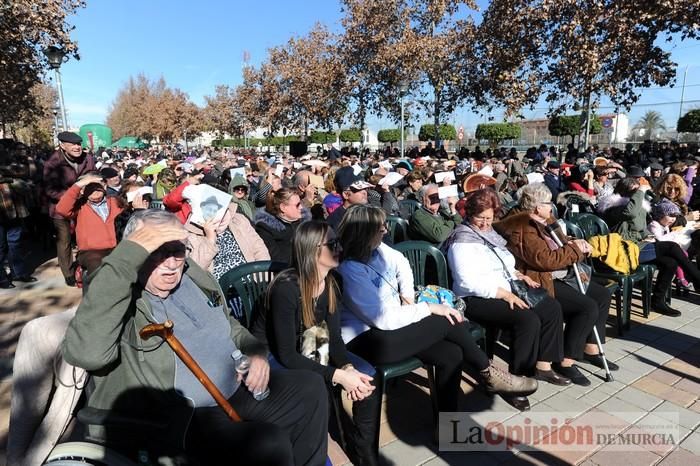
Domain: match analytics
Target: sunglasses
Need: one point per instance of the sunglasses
(242, 189)
(434, 198)
(333, 244)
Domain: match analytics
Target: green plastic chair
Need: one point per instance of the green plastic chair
(417, 253)
(592, 225)
(249, 282)
(398, 228)
(157, 204)
(409, 206)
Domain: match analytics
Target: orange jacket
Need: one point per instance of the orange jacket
(90, 231)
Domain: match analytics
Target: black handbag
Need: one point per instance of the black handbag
(532, 296)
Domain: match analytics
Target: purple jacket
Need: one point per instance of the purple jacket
(59, 175)
(688, 177)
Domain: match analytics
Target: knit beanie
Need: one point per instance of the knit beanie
(665, 208)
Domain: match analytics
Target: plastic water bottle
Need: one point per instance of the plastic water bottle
(242, 364)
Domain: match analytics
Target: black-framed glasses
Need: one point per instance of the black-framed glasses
(333, 244)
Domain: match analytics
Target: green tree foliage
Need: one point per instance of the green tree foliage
(497, 132)
(651, 124)
(690, 122)
(351, 135)
(389, 135)
(322, 137)
(427, 133)
(570, 125)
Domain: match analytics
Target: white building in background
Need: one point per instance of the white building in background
(616, 129)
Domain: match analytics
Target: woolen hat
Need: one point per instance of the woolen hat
(665, 208)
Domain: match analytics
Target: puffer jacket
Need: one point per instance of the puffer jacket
(278, 234)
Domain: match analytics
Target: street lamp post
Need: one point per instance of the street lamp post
(55, 110)
(56, 57)
(404, 89)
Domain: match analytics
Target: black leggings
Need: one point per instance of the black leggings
(669, 256)
(537, 332)
(581, 313)
(434, 341)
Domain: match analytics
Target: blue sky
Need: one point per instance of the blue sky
(197, 45)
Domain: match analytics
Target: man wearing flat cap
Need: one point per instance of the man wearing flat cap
(61, 171)
(112, 181)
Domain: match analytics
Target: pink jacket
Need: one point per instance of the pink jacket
(252, 246)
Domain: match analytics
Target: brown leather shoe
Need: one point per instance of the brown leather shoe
(552, 377)
(498, 380)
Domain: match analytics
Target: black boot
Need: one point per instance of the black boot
(658, 304)
(363, 436)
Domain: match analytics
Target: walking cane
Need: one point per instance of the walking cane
(165, 331)
(551, 229)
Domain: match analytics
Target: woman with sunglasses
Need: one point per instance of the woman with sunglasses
(238, 187)
(382, 324)
(302, 323)
(278, 222)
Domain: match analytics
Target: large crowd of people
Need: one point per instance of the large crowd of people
(147, 252)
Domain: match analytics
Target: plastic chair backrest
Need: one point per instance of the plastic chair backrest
(574, 230)
(250, 282)
(408, 207)
(157, 205)
(417, 253)
(592, 225)
(398, 228)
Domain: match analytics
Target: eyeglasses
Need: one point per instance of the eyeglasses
(175, 249)
(240, 189)
(333, 244)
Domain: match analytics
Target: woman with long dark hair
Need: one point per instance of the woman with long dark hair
(302, 327)
(382, 323)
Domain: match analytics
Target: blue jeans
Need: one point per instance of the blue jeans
(360, 364)
(647, 253)
(12, 248)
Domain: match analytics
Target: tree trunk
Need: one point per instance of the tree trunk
(436, 115)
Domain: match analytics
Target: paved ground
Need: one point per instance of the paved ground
(660, 373)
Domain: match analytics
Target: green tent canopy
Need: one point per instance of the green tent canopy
(130, 142)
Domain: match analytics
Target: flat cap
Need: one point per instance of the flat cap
(67, 136)
(108, 172)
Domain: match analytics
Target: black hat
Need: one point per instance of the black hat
(635, 172)
(108, 172)
(67, 136)
(553, 164)
(345, 179)
(656, 166)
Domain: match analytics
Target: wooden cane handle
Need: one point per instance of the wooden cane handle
(163, 330)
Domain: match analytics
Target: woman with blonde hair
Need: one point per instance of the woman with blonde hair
(673, 188)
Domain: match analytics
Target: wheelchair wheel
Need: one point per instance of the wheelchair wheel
(82, 453)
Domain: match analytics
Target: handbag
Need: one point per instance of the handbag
(531, 296)
(570, 279)
(433, 294)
